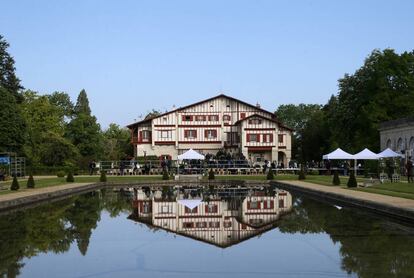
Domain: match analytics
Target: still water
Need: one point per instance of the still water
(186, 232)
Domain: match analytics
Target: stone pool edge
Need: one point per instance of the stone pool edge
(397, 212)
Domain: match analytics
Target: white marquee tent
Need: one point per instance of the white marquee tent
(388, 153)
(191, 155)
(366, 154)
(338, 154)
(190, 203)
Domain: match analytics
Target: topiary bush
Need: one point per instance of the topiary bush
(301, 174)
(60, 174)
(30, 182)
(70, 177)
(165, 175)
(211, 175)
(336, 180)
(15, 184)
(270, 175)
(352, 182)
(103, 178)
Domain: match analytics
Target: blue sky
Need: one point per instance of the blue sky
(132, 56)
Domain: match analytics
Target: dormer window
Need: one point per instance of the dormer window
(187, 118)
(213, 118)
(226, 118)
(255, 121)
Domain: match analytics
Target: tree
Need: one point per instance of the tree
(62, 101)
(30, 182)
(57, 151)
(336, 180)
(12, 127)
(15, 184)
(117, 143)
(84, 131)
(152, 114)
(8, 78)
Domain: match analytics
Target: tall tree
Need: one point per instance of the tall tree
(117, 143)
(84, 131)
(62, 101)
(8, 78)
(12, 127)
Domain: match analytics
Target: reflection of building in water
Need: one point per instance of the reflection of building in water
(219, 221)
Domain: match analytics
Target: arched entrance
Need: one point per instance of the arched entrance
(281, 158)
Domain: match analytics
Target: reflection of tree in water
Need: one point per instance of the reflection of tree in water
(370, 247)
(52, 228)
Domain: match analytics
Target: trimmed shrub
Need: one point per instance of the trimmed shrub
(60, 174)
(270, 175)
(336, 180)
(70, 177)
(165, 175)
(301, 174)
(15, 184)
(211, 175)
(30, 182)
(352, 182)
(103, 178)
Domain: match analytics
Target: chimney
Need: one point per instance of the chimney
(258, 105)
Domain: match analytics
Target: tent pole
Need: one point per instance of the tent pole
(355, 167)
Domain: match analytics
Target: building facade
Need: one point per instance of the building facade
(398, 135)
(218, 123)
(221, 222)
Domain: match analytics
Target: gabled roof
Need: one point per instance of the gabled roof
(272, 115)
(265, 118)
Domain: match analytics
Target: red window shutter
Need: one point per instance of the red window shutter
(185, 133)
(215, 209)
(248, 205)
(243, 226)
(186, 210)
(271, 138)
(258, 205)
(242, 115)
(248, 137)
(265, 204)
(195, 210)
(215, 133)
(195, 133)
(206, 133)
(206, 209)
(191, 118)
(183, 118)
(258, 138)
(272, 204)
(140, 136)
(250, 122)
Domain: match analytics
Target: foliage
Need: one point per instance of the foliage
(352, 182)
(15, 184)
(270, 175)
(211, 175)
(30, 182)
(60, 174)
(152, 113)
(8, 78)
(12, 127)
(301, 175)
(84, 132)
(103, 177)
(165, 175)
(336, 180)
(70, 177)
(62, 102)
(117, 143)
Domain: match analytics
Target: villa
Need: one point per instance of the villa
(217, 123)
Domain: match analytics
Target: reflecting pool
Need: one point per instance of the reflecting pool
(201, 232)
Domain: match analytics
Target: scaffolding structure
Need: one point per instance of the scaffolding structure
(13, 165)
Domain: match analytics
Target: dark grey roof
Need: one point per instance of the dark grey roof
(397, 123)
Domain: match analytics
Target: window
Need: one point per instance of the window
(200, 118)
(146, 208)
(253, 205)
(165, 134)
(146, 134)
(242, 115)
(210, 208)
(187, 118)
(165, 209)
(201, 224)
(226, 118)
(227, 224)
(280, 138)
(213, 118)
(281, 203)
(389, 143)
(268, 204)
(400, 144)
(188, 225)
(210, 134)
(194, 210)
(190, 134)
(255, 122)
(253, 137)
(267, 138)
(165, 119)
(214, 224)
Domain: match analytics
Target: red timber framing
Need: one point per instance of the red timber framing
(269, 148)
(164, 143)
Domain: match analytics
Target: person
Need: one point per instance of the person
(282, 165)
(409, 169)
(91, 167)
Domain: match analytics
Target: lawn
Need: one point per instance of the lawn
(403, 190)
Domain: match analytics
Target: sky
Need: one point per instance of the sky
(133, 56)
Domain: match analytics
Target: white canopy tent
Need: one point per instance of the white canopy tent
(338, 154)
(388, 153)
(190, 203)
(366, 154)
(191, 155)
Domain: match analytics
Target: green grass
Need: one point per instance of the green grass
(403, 190)
(48, 182)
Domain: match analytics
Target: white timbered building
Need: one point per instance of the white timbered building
(221, 122)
